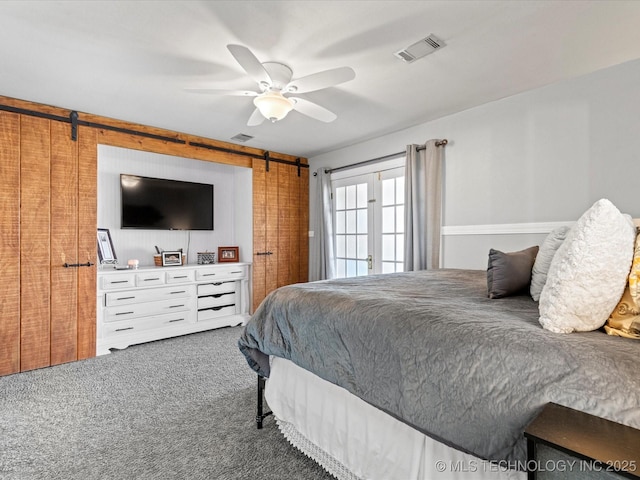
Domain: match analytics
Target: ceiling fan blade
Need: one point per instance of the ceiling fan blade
(320, 80)
(255, 119)
(313, 110)
(215, 91)
(250, 63)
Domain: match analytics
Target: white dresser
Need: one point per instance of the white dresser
(151, 303)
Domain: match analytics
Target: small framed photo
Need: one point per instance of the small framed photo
(171, 258)
(228, 254)
(106, 252)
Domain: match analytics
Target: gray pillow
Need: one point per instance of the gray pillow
(509, 273)
(543, 260)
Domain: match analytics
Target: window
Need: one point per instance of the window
(369, 221)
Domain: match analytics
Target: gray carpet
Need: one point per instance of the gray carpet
(181, 408)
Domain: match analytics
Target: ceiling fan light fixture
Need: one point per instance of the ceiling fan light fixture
(273, 105)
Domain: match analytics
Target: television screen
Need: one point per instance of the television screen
(161, 204)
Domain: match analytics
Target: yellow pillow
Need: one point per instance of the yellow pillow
(624, 321)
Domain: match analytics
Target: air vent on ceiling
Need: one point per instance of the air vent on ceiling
(420, 49)
(241, 137)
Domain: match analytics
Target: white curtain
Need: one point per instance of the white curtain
(322, 252)
(423, 206)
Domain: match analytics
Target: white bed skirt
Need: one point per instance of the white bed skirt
(353, 440)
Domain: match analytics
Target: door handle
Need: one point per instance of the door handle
(75, 265)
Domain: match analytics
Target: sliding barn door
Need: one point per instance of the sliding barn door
(280, 226)
(48, 219)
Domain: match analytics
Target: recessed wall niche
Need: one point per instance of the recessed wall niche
(233, 210)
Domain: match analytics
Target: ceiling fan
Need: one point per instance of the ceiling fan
(274, 79)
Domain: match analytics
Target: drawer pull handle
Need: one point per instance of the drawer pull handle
(181, 276)
(217, 284)
(176, 320)
(237, 271)
(176, 306)
(125, 298)
(215, 309)
(123, 329)
(208, 274)
(218, 295)
(124, 313)
(151, 279)
(178, 292)
(120, 281)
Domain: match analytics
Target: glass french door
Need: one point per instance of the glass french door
(369, 223)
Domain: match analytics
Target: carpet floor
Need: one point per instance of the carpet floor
(181, 408)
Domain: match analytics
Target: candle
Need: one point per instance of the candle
(133, 263)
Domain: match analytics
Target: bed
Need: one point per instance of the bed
(432, 352)
(436, 374)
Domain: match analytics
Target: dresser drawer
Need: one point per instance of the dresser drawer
(215, 312)
(111, 282)
(216, 288)
(217, 300)
(149, 278)
(180, 276)
(226, 272)
(148, 295)
(127, 327)
(124, 312)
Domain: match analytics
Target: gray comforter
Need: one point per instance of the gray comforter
(432, 350)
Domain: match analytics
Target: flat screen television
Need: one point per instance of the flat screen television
(162, 204)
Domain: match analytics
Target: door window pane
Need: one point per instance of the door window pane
(351, 268)
(388, 191)
(361, 226)
(340, 222)
(400, 190)
(341, 245)
(351, 196)
(363, 246)
(351, 246)
(362, 197)
(340, 199)
(363, 268)
(400, 219)
(351, 221)
(341, 268)
(388, 219)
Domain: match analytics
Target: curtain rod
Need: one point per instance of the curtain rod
(439, 143)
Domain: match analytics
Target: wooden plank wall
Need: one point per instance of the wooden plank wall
(10, 243)
(87, 225)
(259, 277)
(64, 244)
(35, 235)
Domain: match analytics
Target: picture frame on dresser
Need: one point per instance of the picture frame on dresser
(171, 258)
(228, 254)
(106, 252)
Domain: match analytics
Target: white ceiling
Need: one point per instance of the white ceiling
(132, 60)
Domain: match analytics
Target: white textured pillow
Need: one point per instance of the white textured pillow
(543, 260)
(589, 271)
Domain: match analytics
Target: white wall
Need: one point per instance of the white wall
(542, 156)
(232, 214)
